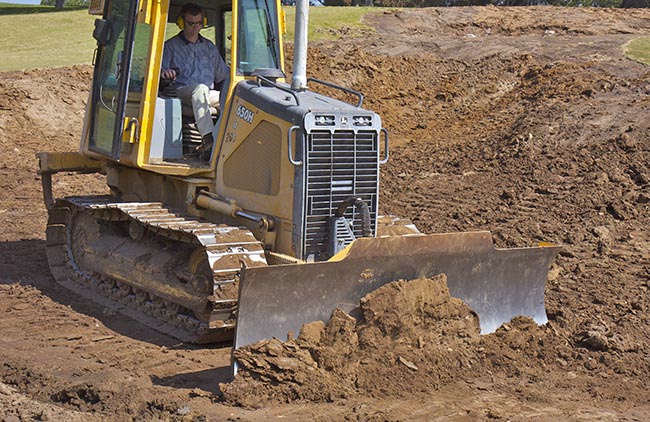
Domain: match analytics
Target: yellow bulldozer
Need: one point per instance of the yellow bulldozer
(279, 225)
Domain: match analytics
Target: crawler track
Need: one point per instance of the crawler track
(175, 273)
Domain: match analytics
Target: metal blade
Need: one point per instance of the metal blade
(498, 284)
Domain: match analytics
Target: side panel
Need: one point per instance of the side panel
(253, 167)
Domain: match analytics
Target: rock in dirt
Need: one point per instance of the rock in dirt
(595, 340)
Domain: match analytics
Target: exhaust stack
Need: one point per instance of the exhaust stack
(299, 80)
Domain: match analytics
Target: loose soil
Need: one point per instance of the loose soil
(528, 122)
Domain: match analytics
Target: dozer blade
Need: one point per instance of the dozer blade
(498, 284)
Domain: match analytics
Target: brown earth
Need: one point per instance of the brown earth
(406, 324)
(528, 122)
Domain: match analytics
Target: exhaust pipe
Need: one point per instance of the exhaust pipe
(299, 80)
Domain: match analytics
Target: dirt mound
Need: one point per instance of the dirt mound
(488, 21)
(412, 334)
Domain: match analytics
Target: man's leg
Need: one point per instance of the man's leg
(198, 96)
(214, 99)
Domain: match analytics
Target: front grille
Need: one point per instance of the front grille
(339, 165)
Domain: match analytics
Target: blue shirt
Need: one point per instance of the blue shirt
(194, 63)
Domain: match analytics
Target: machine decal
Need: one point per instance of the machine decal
(245, 114)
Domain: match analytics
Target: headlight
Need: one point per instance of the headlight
(324, 120)
(362, 120)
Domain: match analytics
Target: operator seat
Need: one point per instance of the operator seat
(191, 137)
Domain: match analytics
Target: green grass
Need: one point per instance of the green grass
(638, 49)
(25, 9)
(324, 22)
(42, 36)
(46, 39)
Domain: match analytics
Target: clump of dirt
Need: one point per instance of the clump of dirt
(411, 334)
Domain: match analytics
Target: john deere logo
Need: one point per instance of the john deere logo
(245, 114)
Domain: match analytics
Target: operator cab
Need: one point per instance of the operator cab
(137, 121)
(176, 138)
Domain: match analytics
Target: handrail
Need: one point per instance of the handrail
(385, 132)
(276, 85)
(347, 90)
(290, 147)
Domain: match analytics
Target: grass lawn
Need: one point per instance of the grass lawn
(638, 49)
(42, 36)
(41, 39)
(322, 20)
(22, 9)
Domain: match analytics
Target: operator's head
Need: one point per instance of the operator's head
(191, 18)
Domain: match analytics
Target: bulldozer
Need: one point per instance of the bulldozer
(280, 225)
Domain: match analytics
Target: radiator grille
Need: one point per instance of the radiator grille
(340, 164)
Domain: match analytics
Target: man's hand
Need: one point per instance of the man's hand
(169, 74)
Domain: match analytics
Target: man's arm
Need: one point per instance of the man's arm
(166, 64)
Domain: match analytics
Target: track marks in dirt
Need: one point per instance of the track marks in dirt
(59, 356)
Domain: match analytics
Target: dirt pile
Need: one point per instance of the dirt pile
(412, 336)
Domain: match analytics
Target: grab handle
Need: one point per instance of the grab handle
(290, 147)
(385, 132)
